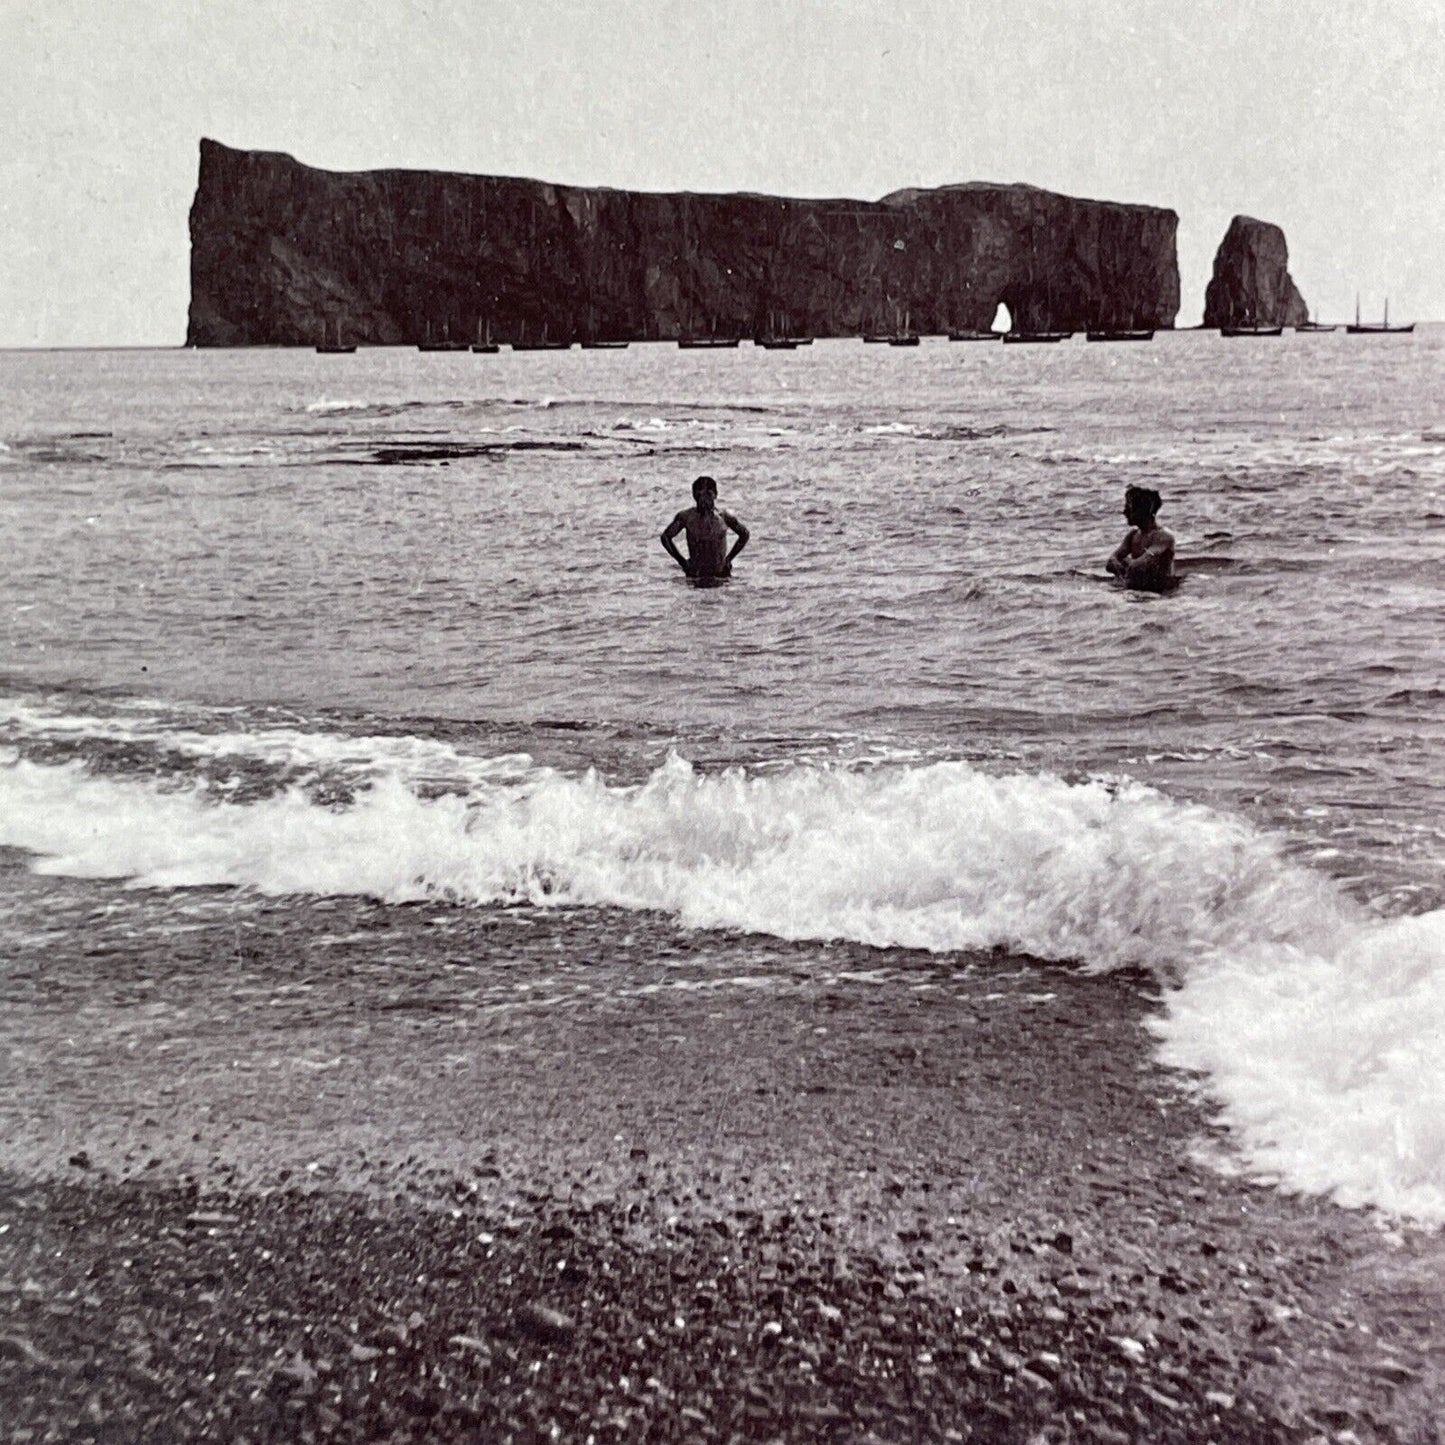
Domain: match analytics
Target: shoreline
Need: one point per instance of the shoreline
(829, 1162)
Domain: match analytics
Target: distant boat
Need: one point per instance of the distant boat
(1015, 337)
(445, 344)
(484, 345)
(706, 343)
(905, 335)
(776, 338)
(1111, 335)
(333, 348)
(902, 334)
(970, 335)
(1308, 325)
(522, 344)
(1251, 330)
(1376, 328)
(593, 342)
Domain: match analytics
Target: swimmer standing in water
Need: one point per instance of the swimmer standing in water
(1144, 560)
(707, 530)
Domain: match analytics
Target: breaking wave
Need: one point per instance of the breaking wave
(1314, 1024)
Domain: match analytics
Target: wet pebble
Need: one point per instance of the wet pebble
(544, 1323)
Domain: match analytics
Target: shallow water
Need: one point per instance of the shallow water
(398, 625)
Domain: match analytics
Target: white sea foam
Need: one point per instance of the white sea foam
(324, 406)
(1315, 1025)
(1327, 1061)
(407, 758)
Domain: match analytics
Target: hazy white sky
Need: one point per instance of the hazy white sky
(1325, 116)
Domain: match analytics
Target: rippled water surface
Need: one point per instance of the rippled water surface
(474, 538)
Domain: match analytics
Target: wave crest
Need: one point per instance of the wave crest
(935, 857)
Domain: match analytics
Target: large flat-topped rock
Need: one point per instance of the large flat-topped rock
(280, 250)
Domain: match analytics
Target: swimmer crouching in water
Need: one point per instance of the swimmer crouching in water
(1144, 560)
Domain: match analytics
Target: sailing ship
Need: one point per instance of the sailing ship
(776, 337)
(484, 345)
(971, 333)
(905, 335)
(902, 334)
(694, 341)
(1015, 337)
(334, 348)
(1117, 329)
(1310, 325)
(522, 344)
(1251, 326)
(877, 336)
(1376, 328)
(445, 344)
(593, 342)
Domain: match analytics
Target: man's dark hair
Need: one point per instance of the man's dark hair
(699, 484)
(1144, 499)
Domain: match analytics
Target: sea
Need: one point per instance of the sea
(283, 626)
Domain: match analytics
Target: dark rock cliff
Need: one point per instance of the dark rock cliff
(1251, 285)
(279, 249)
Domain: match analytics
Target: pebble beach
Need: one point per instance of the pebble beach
(921, 1198)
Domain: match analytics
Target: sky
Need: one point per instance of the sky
(1326, 117)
